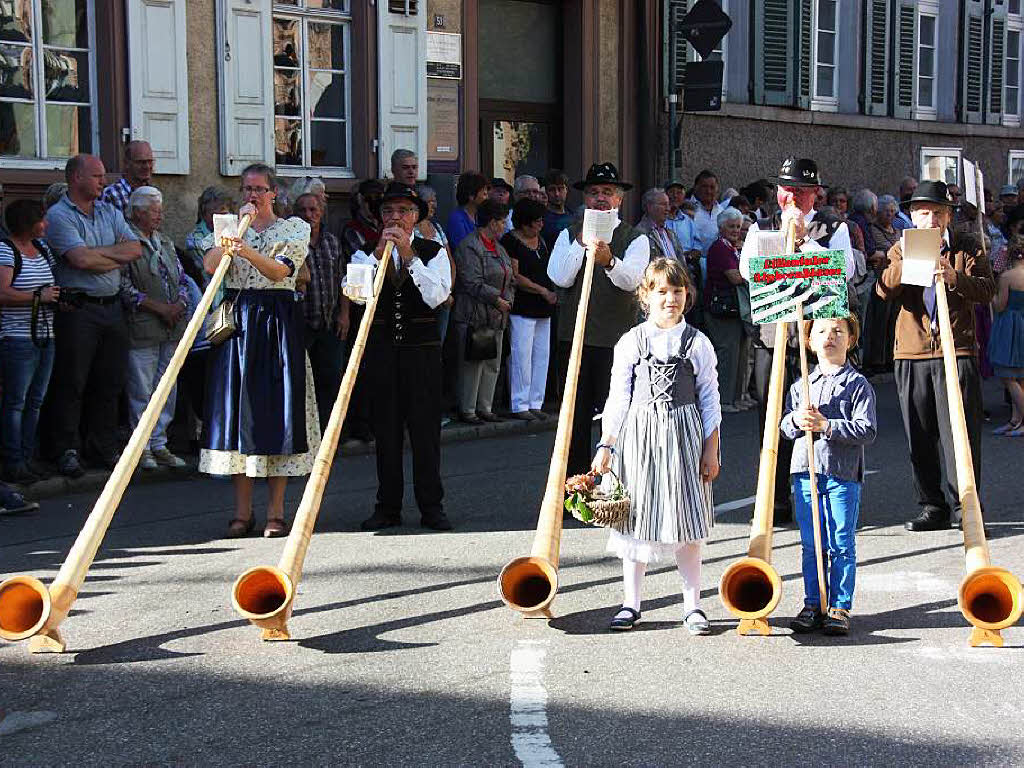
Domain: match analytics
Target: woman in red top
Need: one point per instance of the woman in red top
(721, 305)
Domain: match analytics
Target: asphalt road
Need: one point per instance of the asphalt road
(404, 655)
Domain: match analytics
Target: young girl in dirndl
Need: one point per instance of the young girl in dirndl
(660, 435)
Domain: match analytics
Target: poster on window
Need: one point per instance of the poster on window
(780, 283)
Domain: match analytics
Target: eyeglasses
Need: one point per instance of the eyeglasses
(255, 190)
(404, 210)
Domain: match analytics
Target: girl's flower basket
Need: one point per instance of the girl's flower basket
(589, 504)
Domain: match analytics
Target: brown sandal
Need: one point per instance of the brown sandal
(275, 528)
(239, 528)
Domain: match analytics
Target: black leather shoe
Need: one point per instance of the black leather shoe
(929, 520)
(437, 522)
(808, 620)
(378, 521)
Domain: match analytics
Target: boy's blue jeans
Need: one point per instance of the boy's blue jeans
(839, 505)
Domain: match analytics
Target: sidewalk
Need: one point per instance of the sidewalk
(94, 479)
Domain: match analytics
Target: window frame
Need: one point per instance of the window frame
(930, 9)
(824, 103)
(304, 16)
(1011, 155)
(947, 152)
(1014, 24)
(17, 162)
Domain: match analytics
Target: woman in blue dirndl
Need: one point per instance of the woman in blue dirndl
(260, 415)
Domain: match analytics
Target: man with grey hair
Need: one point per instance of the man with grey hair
(405, 167)
(92, 242)
(664, 242)
(524, 186)
(137, 171)
(155, 292)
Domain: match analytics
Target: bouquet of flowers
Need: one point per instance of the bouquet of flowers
(588, 503)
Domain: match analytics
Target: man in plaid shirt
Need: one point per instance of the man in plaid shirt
(138, 172)
(326, 310)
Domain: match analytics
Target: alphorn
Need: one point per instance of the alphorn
(264, 594)
(528, 584)
(750, 588)
(27, 608)
(989, 596)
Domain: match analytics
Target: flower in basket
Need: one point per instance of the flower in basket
(579, 490)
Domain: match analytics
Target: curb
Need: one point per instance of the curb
(94, 480)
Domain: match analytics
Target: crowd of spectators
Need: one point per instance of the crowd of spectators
(79, 362)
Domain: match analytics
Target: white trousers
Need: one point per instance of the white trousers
(145, 367)
(528, 362)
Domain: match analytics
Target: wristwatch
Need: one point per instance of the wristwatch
(611, 264)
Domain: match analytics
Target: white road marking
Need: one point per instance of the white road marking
(905, 581)
(728, 506)
(22, 721)
(529, 699)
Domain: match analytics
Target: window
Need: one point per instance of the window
(825, 38)
(1011, 97)
(941, 164)
(48, 42)
(927, 29)
(312, 90)
(1015, 162)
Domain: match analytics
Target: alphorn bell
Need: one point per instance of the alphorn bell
(528, 584)
(989, 596)
(27, 608)
(750, 588)
(264, 595)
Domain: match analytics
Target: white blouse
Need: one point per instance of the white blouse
(664, 343)
(433, 279)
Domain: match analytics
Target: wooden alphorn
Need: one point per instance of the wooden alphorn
(528, 584)
(264, 595)
(27, 608)
(989, 596)
(750, 588)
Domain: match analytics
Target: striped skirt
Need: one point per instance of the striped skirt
(658, 462)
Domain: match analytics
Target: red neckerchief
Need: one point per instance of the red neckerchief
(488, 244)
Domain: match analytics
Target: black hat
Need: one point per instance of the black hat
(603, 173)
(930, 192)
(398, 191)
(798, 173)
(497, 181)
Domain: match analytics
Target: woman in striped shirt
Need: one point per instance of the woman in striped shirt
(660, 432)
(28, 296)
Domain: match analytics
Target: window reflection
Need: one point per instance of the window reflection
(16, 20)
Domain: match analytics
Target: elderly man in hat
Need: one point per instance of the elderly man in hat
(403, 360)
(797, 187)
(920, 379)
(619, 267)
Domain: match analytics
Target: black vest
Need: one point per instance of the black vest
(403, 318)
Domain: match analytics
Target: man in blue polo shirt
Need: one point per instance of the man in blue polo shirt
(91, 241)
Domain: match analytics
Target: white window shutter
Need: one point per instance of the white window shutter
(158, 81)
(245, 76)
(402, 77)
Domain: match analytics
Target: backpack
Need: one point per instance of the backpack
(42, 247)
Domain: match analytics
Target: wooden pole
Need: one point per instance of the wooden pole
(528, 584)
(47, 614)
(265, 594)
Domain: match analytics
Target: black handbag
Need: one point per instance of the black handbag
(725, 302)
(481, 343)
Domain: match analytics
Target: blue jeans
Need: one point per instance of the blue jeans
(839, 505)
(26, 373)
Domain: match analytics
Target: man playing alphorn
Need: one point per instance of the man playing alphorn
(620, 265)
(403, 361)
(798, 184)
(920, 379)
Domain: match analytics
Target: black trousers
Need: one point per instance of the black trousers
(921, 385)
(404, 393)
(89, 373)
(762, 378)
(591, 392)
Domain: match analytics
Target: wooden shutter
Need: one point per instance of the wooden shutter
(158, 81)
(876, 57)
(997, 64)
(906, 60)
(974, 61)
(805, 47)
(675, 68)
(774, 75)
(245, 76)
(402, 79)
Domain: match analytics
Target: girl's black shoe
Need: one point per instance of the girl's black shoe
(622, 623)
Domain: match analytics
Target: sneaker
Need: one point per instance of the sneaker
(696, 622)
(837, 622)
(167, 459)
(147, 462)
(808, 620)
(68, 464)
